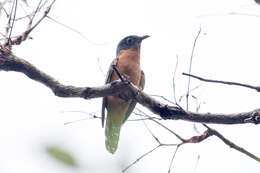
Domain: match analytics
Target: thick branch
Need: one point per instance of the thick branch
(9, 62)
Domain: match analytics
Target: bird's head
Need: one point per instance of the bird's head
(130, 42)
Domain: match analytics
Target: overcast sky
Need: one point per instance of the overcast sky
(227, 49)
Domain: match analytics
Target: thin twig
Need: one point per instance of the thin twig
(44, 15)
(43, 4)
(80, 120)
(139, 158)
(23, 17)
(9, 27)
(191, 58)
(35, 12)
(164, 98)
(174, 154)
(142, 115)
(9, 20)
(223, 82)
(140, 119)
(178, 136)
(173, 80)
(12, 25)
(99, 66)
(197, 163)
(175, 134)
(149, 130)
(3, 3)
(76, 31)
(91, 116)
(231, 144)
(30, 28)
(66, 26)
(25, 12)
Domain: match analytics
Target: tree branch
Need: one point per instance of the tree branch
(9, 62)
(223, 82)
(19, 39)
(231, 144)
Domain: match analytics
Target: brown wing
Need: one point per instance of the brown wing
(108, 79)
(142, 81)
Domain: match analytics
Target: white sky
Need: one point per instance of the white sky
(227, 49)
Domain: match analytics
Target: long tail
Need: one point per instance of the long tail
(112, 133)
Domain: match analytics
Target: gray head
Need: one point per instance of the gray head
(129, 42)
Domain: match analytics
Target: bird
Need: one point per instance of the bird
(127, 62)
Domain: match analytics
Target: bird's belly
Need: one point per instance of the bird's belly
(117, 109)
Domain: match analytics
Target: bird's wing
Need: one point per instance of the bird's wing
(142, 81)
(108, 79)
(133, 103)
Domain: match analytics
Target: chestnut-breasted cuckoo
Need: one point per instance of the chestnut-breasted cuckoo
(118, 110)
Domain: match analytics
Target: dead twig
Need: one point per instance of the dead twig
(231, 144)
(139, 158)
(191, 58)
(19, 39)
(150, 131)
(175, 134)
(174, 154)
(199, 138)
(257, 88)
(173, 80)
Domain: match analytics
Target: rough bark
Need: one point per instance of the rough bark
(9, 62)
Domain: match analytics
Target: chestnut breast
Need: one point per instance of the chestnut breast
(129, 64)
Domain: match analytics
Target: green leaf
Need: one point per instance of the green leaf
(61, 155)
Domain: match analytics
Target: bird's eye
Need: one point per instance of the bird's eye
(129, 41)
